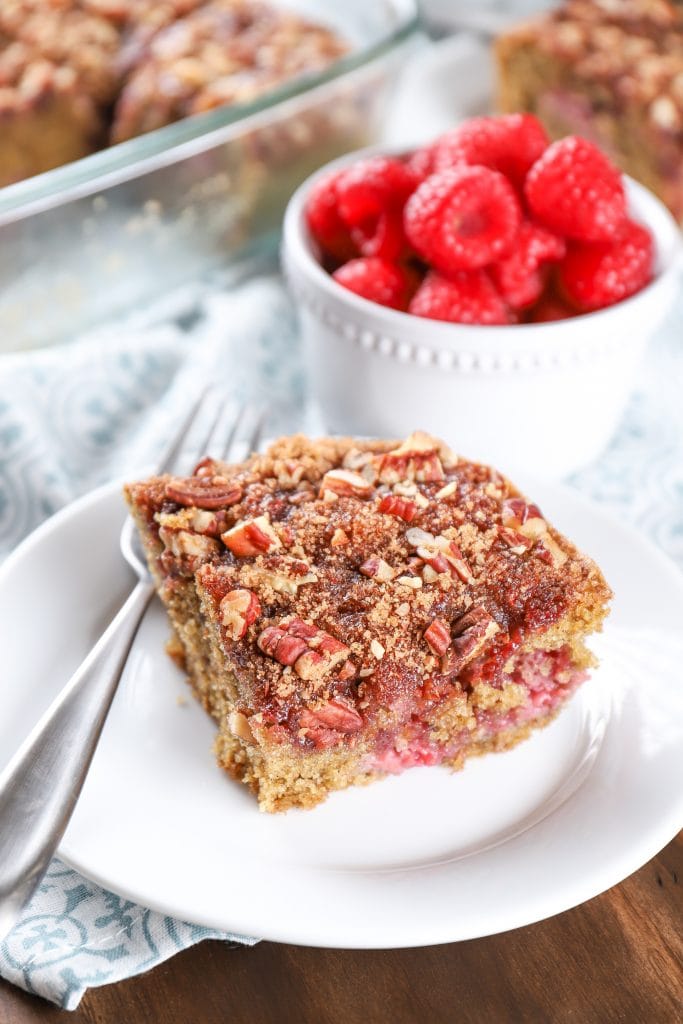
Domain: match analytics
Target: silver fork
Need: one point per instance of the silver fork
(41, 784)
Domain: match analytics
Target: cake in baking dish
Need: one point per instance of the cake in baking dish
(76, 75)
(349, 609)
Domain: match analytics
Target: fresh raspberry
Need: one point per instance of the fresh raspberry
(462, 218)
(574, 190)
(510, 144)
(421, 161)
(324, 221)
(371, 195)
(381, 236)
(369, 187)
(550, 308)
(520, 277)
(467, 297)
(376, 280)
(598, 275)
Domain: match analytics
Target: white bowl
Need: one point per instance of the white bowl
(544, 398)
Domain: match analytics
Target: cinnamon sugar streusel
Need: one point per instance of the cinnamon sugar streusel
(348, 609)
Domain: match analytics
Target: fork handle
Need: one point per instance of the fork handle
(41, 784)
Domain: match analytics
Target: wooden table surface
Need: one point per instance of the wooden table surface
(618, 958)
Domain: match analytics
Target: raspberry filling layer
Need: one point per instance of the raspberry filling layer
(539, 683)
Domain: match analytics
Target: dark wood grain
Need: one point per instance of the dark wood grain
(618, 958)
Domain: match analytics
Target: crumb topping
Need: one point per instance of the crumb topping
(631, 49)
(333, 608)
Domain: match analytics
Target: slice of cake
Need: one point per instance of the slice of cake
(610, 71)
(225, 52)
(346, 609)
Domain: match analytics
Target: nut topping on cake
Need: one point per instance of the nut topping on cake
(438, 637)
(393, 505)
(185, 543)
(251, 537)
(416, 459)
(523, 517)
(517, 543)
(377, 569)
(345, 483)
(326, 724)
(239, 609)
(471, 632)
(440, 553)
(203, 492)
(311, 651)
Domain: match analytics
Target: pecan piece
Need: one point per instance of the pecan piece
(470, 634)
(376, 568)
(438, 637)
(185, 544)
(202, 492)
(517, 542)
(311, 651)
(393, 505)
(345, 483)
(238, 724)
(523, 518)
(440, 553)
(416, 459)
(239, 609)
(333, 715)
(251, 537)
(550, 551)
(280, 645)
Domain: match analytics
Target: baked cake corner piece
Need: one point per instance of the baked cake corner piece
(610, 71)
(349, 609)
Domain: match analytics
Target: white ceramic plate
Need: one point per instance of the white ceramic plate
(423, 858)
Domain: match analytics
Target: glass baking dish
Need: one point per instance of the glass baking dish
(111, 232)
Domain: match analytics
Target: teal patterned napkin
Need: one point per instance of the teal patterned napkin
(73, 417)
(75, 935)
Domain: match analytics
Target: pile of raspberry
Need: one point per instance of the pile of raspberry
(489, 224)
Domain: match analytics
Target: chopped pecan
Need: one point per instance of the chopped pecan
(311, 651)
(251, 537)
(376, 649)
(446, 491)
(288, 472)
(239, 609)
(470, 634)
(185, 544)
(333, 715)
(517, 542)
(416, 459)
(361, 462)
(438, 637)
(551, 552)
(203, 491)
(393, 505)
(280, 645)
(238, 724)
(376, 568)
(440, 553)
(196, 520)
(345, 483)
(523, 518)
